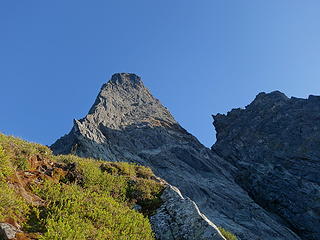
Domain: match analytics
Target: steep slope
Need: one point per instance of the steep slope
(274, 145)
(126, 123)
(66, 197)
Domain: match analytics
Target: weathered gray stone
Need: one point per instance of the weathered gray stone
(180, 218)
(126, 123)
(7, 231)
(274, 145)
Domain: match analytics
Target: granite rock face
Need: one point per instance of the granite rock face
(180, 218)
(274, 145)
(126, 123)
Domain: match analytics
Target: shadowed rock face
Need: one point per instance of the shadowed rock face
(126, 123)
(274, 143)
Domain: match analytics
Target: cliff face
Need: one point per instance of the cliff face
(274, 145)
(126, 123)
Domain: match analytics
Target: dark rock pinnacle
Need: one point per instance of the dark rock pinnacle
(274, 145)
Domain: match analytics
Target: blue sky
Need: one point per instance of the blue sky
(198, 57)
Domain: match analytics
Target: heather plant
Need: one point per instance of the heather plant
(5, 165)
(124, 181)
(228, 235)
(19, 151)
(11, 204)
(79, 213)
(97, 207)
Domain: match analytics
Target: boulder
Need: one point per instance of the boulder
(7, 231)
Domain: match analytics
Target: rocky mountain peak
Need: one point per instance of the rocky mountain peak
(125, 101)
(126, 78)
(263, 99)
(126, 123)
(272, 95)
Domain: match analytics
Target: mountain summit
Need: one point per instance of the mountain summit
(124, 101)
(123, 104)
(126, 123)
(121, 78)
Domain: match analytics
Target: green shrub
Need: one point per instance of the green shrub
(11, 204)
(97, 180)
(123, 181)
(143, 172)
(228, 235)
(146, 193)
(5, 165)
(98, 206)
(19, 151)
(77, 213)
(68, 228)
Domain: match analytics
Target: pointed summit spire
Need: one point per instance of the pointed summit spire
(121, 78)
(124, 101)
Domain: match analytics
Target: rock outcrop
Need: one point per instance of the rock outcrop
(180, 218)
(274, 145)
(126, 123)
(7, 231)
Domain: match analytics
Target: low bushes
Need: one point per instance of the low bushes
(228, 235)
(80, 198)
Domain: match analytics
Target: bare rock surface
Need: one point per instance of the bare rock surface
(7, 231)
(180, 218)
(274, 145)
(126, 123)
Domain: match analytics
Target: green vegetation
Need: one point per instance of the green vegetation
(228, 235)
(5, 165)
(20, 152)
(77, 213)
(67, 197)
(11, 204)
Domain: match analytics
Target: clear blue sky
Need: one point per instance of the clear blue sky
(198, 57)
